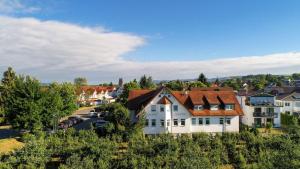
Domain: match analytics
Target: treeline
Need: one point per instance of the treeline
(258, 82)
(85, 150)
(147, 83)
(26, 104)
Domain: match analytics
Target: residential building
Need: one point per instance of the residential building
(178, 112)
(290, 102)
(95, 95)
(260, 109)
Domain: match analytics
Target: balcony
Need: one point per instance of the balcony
(263, 114)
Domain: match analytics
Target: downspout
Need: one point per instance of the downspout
(171, 111)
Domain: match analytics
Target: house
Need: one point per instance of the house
(95, 95)
(260, 109)
(290, 102)
(178, 112)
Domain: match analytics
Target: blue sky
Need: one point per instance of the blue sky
(180, 31)
(192, 30)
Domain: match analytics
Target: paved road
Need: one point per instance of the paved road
(86, 124)
(8, 133)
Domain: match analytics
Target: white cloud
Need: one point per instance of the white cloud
(52, 50)
(16, 7)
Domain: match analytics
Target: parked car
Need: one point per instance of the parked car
(75, 119)
(99, 123)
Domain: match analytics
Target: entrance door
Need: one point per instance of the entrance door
(257, 122)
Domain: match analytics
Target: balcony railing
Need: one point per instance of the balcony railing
(263, 114)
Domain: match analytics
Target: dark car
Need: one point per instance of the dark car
(99, 123)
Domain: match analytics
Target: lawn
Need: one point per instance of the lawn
(9, 144)
(273, 131)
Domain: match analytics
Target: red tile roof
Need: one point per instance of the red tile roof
(97, 88)
(164, 100)
(140, 98)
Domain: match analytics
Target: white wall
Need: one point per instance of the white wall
(183, 113)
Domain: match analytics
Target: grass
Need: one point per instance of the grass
(86, 107)
(10, 144)
(273, 131)
(5, 127)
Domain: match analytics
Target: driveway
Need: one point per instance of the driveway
(84, 114)
(7, 132)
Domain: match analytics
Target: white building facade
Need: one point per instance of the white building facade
(290, 103)
(259, 110)
(190, 112)
(95, 95)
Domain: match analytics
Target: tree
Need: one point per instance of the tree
(52, 106)
(126, 89)
(202, 78)
(146, 82)
(6, 86)
(118, 115)
(217, 81)
(176, 85)
(80, 81)
(68, 95)
(25, 104)
(196, 84)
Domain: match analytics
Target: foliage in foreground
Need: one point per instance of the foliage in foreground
(85, 149)
(26, 104)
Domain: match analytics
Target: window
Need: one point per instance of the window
(162, 108)
(228, 120)
(214, 107)
(175, 107)
(168, 122)
(147, 122)
(193, 121)
(169, 95)
(153, 108)
(287, 104)
(182, 122)
(162, 123)
(229, 107)
(200, 121)
(221, 120)
(153, 122)
(275, 115)
(207, 121)
(198, 107)
(257, 109)
(175, 122)
(270, 110)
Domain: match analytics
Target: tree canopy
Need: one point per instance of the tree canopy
(80, 81)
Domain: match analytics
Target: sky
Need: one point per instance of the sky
(58, 40)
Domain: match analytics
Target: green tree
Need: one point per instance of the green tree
(25, 104)
(6, 86)
(126, 89)
(176, 85)
(202, 78)
(146, 82)
(80, 81)
(68, 95)
(52, 106)
(196, 84)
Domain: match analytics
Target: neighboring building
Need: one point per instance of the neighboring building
(95, 95)
(260, 109)
(177, 112)
(290, 102)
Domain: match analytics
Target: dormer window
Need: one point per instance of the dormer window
(229, 107)
(198, 107)
(214, 107)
